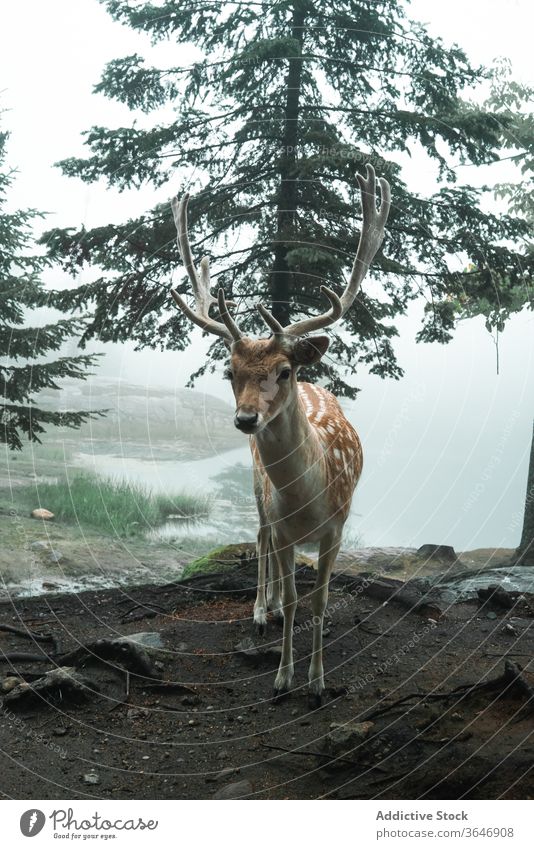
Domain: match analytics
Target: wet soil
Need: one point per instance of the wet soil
(215, 725)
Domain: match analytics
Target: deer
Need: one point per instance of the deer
(307, 458)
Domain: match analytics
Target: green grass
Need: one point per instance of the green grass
(208, 563)
(112, 506)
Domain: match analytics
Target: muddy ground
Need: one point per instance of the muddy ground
(213, 732)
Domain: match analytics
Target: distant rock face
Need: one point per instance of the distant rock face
(147, 415)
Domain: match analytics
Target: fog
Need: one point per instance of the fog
(446, 448)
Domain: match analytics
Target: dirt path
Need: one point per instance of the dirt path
(219, 728)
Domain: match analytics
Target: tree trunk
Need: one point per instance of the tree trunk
(525, 552)
(287, 195)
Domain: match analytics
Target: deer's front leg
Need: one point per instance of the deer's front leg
(328, 551)
(260, 605)
(286, 563)
(274, 589)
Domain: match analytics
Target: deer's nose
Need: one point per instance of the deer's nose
(246, 419)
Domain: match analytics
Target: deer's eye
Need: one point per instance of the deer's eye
(285, 374)
(228, 374)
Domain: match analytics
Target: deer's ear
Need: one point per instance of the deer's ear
(309, 351)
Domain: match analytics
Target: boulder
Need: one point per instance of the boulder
(429, 551)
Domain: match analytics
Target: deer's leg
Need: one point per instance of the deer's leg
(260, 605)
(328, 551)
(274, 588)
(286, 563)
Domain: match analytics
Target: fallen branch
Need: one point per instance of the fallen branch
(511, 678)
(23, 657)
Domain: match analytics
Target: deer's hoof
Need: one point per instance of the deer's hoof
(260, 628)
(315, 701)
(280, 695)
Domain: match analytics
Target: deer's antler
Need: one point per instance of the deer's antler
(227, 329)
(371, 237)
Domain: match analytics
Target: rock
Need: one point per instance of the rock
(222, 754)
(343, 737)
(50, 585)
(60, 731)
(224, 773)
(137, 713)
(509, 629)
(9, 684)
(237, 790)
(190, 701)
(247, 649)
(437, 552)
(491, 615)
(39, 545)
(147, 639)
(91, 777)
(41, 513)
(55, 556)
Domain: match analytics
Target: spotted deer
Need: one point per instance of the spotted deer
(307, 458)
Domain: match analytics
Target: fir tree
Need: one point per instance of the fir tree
(25, 363)
(287, 102)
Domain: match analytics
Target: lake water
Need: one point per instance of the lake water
(227, 477)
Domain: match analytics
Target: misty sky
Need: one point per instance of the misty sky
(446, 449)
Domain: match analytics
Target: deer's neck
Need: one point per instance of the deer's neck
(289, 450)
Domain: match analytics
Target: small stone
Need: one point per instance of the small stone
(190, 701)
(224, 773)
(41, 513)
(137, 713)
(91, 778)
(491, 615)
(509, 629)
(55, 556)
(237, 790)
(39, 545)
(295, 712)
(222, 754)
(247, 649)
(227, 772)
(344, 737)
(60, 731)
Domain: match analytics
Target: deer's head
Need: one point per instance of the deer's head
(264, 372)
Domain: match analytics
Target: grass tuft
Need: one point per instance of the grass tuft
(111, 506)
